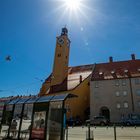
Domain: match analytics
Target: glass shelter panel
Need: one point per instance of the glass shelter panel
(44, 99)
(22, 101)
(7, 117)
(1, 111)
(14, 101)
(26, 121)
(14, 128)
(61, 97)
(55, 121)
(32, 100)
(39, 121)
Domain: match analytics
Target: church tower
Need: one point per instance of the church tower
(61, 58)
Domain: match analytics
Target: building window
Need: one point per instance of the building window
(59, 55)
(124, 82)
(118, 105)
(124, 93)
(96, 84)
(117, 83)
(117, 93)
(138, 92)
(138, 103)
(137, 81)
(125, 104)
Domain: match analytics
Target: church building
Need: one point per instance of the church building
(105, 89)
(66, 79)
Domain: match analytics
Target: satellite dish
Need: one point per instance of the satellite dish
(8, 58)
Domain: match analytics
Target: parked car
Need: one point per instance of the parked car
(98, 120)
(74, 122)
(132, 119)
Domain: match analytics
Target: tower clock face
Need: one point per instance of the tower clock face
(60, 41)
(68, 43)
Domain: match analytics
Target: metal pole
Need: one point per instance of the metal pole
(115, 132)
(62, 123)
(67, 133)
(89, 131)
(20, 123)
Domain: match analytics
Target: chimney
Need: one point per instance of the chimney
(80, 80)
(133, 57)
(110, 59)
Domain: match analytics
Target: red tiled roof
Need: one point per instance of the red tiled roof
(116, 70)
(75, 73)
(72, 80)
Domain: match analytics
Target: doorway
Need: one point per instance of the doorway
(104, 111)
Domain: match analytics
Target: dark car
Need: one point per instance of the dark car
(74, 122)
(133, 119)
(98, 120)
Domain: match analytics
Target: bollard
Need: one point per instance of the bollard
(115, 132)
(89, 131)
(89, 136)
(67, 133)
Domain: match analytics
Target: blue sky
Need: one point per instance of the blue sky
(28, 30)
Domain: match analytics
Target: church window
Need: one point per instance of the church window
(59, 55)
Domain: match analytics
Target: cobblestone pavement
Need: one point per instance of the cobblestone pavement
(104, 133)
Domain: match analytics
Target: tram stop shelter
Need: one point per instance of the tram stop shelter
(29, 118)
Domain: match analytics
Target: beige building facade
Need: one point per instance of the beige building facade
(115, 89)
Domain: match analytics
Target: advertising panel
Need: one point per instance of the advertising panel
(1, 110)
(38, 129)
(14, 129)
(26, 121)
(54, 124)
(7, 117)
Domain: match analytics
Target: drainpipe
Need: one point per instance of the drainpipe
(131, 92)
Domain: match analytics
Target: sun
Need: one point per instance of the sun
(72, 11)
(72, 5)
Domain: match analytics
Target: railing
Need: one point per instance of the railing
(103, 133)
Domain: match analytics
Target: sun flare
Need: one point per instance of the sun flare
(72, 11)
(73, 5)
